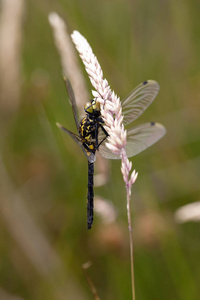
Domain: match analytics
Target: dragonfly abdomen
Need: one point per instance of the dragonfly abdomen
(90, 195)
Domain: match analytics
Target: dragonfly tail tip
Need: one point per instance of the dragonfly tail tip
(89, 226)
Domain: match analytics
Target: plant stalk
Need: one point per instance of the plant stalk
(130, 241)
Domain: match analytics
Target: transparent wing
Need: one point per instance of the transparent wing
(90, 156)
(143, 136)
(139, 138)
(138, 100)
(72, 100)
(103, 150)
(106, 153)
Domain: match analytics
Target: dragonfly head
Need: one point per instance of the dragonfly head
(92, 107)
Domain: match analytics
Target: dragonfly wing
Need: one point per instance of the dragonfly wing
(107, 153)
(72, 101)
(138, 100)
(103, 150)
(143, 136)
(90, 156)
(139, 138)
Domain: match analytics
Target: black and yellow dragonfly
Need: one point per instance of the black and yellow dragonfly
(92, 135)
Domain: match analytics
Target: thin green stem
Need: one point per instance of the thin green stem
(130, 242)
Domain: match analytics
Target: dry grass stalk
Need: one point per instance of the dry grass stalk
(12, 12)
(69, 62)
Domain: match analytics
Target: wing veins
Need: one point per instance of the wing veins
(89, 155)
(72, 100)
(139, 100)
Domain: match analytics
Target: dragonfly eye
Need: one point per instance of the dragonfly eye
(89, 107)
(92, 106)
(96, 105)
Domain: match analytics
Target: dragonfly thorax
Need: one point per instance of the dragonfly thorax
(87, 132)
(89, 126)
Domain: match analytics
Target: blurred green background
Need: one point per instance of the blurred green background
(43, 174)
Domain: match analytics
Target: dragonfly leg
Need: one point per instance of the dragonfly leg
(96, 135)
(106, 135)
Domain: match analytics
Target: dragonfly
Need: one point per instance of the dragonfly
(92, 135)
